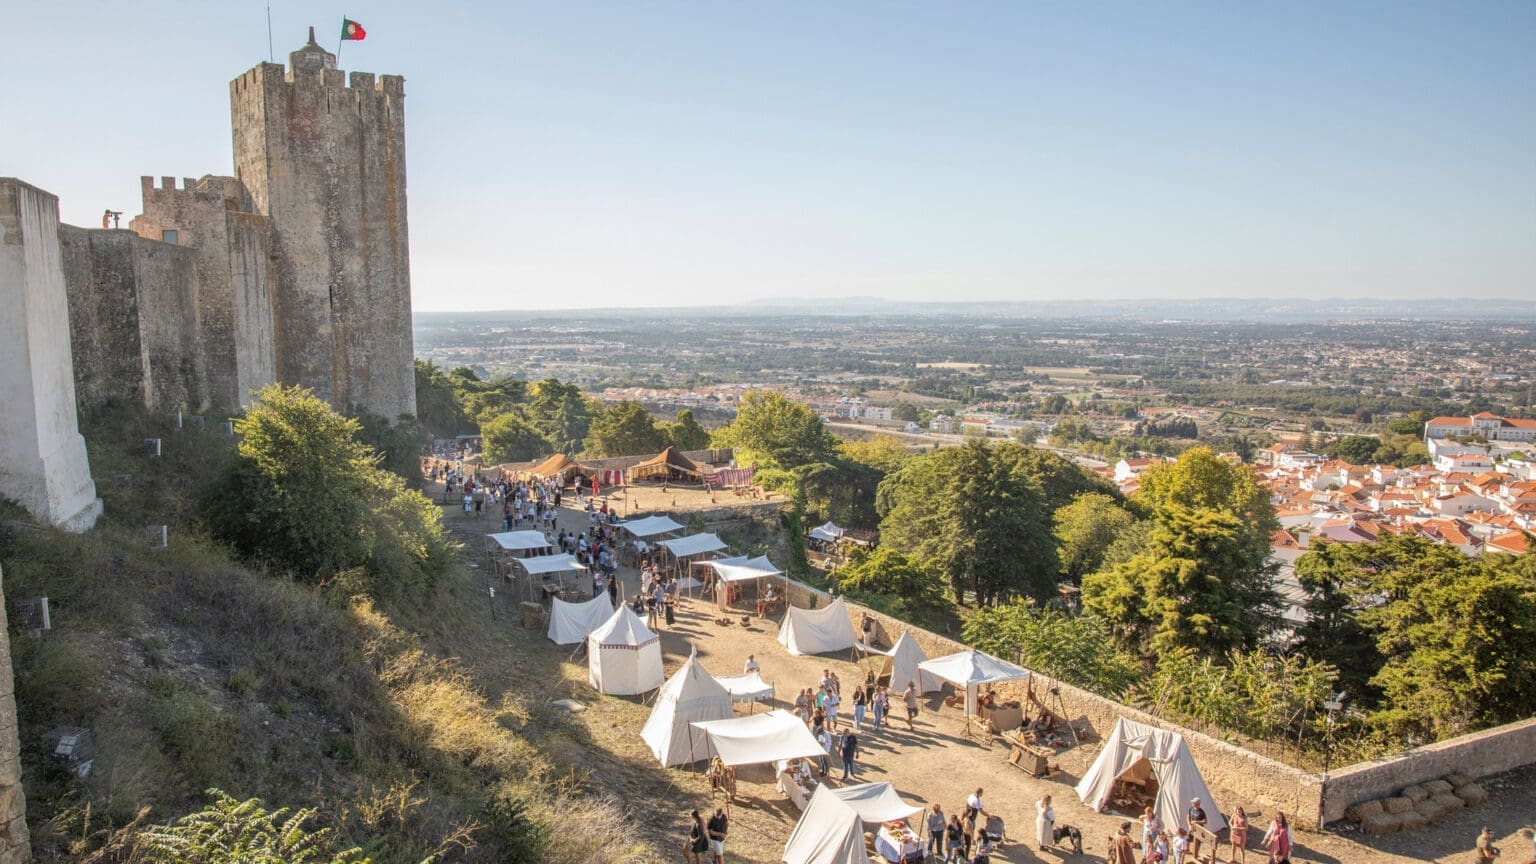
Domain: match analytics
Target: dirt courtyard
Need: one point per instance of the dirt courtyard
(927, 764)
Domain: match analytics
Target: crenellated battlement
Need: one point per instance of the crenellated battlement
(266, 74)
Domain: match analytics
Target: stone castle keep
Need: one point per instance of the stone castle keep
(294, 270)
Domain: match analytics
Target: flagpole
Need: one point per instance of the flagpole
(340, 39)
(271, 54)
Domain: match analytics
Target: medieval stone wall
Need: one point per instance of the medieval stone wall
(15, 845)
(133, 319)
(42, 455)
(324, 160)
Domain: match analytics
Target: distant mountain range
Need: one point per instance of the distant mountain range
(1211, 309)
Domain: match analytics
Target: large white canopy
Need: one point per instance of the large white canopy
(746, 688)
(690, 695)
(624, 656)
(828, 532)
(550, 564)
(831, 830)
(570, 623)
(760, 738)
(1138, 750)
(693, 544)
(970, 668)
(650, 526)
(521, 541)
(817, 631)
(903, 662)
(743, 568)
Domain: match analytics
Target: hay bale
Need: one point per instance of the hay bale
(1472, 793)
(1439, 787)
(1450, 802)
(1397, 804)
(1382, 824)
(1415, 793)
(1430, 809)
(1413, 820)
(1459, 779)
(1363, 810)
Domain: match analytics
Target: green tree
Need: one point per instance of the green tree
(780, 433)
(1355, 449)
(685, 433)
(486, 401)
(301, 493)
(510, 438)
(1335, 579)
(1084, 531)
(905, 412)
(1077, 649)
(624, 429)
(1199, 479)
(437, 404)
(883, 453)
(561, 414)
(1060, 479)
(919, 590)
(400, 445)
(977, 518)
(228, 831)
(1193, 586)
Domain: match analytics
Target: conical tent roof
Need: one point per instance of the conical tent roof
(556, 464)
(624, 656)
(831, 830)
(691, 694)
(902, 665)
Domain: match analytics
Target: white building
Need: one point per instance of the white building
(1489, 425)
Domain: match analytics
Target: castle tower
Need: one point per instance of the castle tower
(323, 159)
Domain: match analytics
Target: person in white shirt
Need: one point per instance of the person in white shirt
(751, 665)
(973, 806)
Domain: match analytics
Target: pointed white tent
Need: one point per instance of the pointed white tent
(817, 631)
(831, 830)
(828, 532)
(690, 695)
(901, 665)
(971, 668)
(623, 655)
(570, 623)
(1138, 750)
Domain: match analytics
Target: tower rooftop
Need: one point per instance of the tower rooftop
(311, 57)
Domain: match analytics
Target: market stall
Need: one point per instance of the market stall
(749, 687)
(758, 739)
(501, 548)
(1142, 765)
(749, 583)
(831, 830)
(551, 576)
(679, 551)
(670, 465)
(968, 670)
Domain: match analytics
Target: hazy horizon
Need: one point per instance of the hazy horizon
(603, 155)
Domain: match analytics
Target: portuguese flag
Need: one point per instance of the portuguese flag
(352, 31)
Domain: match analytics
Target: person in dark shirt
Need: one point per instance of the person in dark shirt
(850, 750)
(1195, 816)
(718, 825)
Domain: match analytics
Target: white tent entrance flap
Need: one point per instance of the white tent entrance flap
(624, 656)
(967, 670)
(650, 526)
(831, 830)
(760, 738)
(690, 695)
(902, 664)
(570, 623)
(817, 631)
(1141, 755)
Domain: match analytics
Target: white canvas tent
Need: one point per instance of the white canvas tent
(650, 526)
(902, 664)
(693, 544)
(1137, 751)
(521, 541)
(969, 669)
(817, 631)
(831, 830)
(732, 574)
(690, 695)
(570, 623)
(749, 687)
(828, 533)
(541, 564)
(623, 655)
(758, 739)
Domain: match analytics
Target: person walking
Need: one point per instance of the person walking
(1486, 851)
(954, 840)
(1123, 849)
(698, 841)
(880, 704)
(850, 752)
(935, 825)
(718, 826)
(1239, 834)
(1278, 840)
(1045, 822)
(824, 738)
(859, 700)
(910, 697)
(831, 704)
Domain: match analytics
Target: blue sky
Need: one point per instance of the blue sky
(577, 154)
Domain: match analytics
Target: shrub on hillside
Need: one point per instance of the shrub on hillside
(304, 495)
